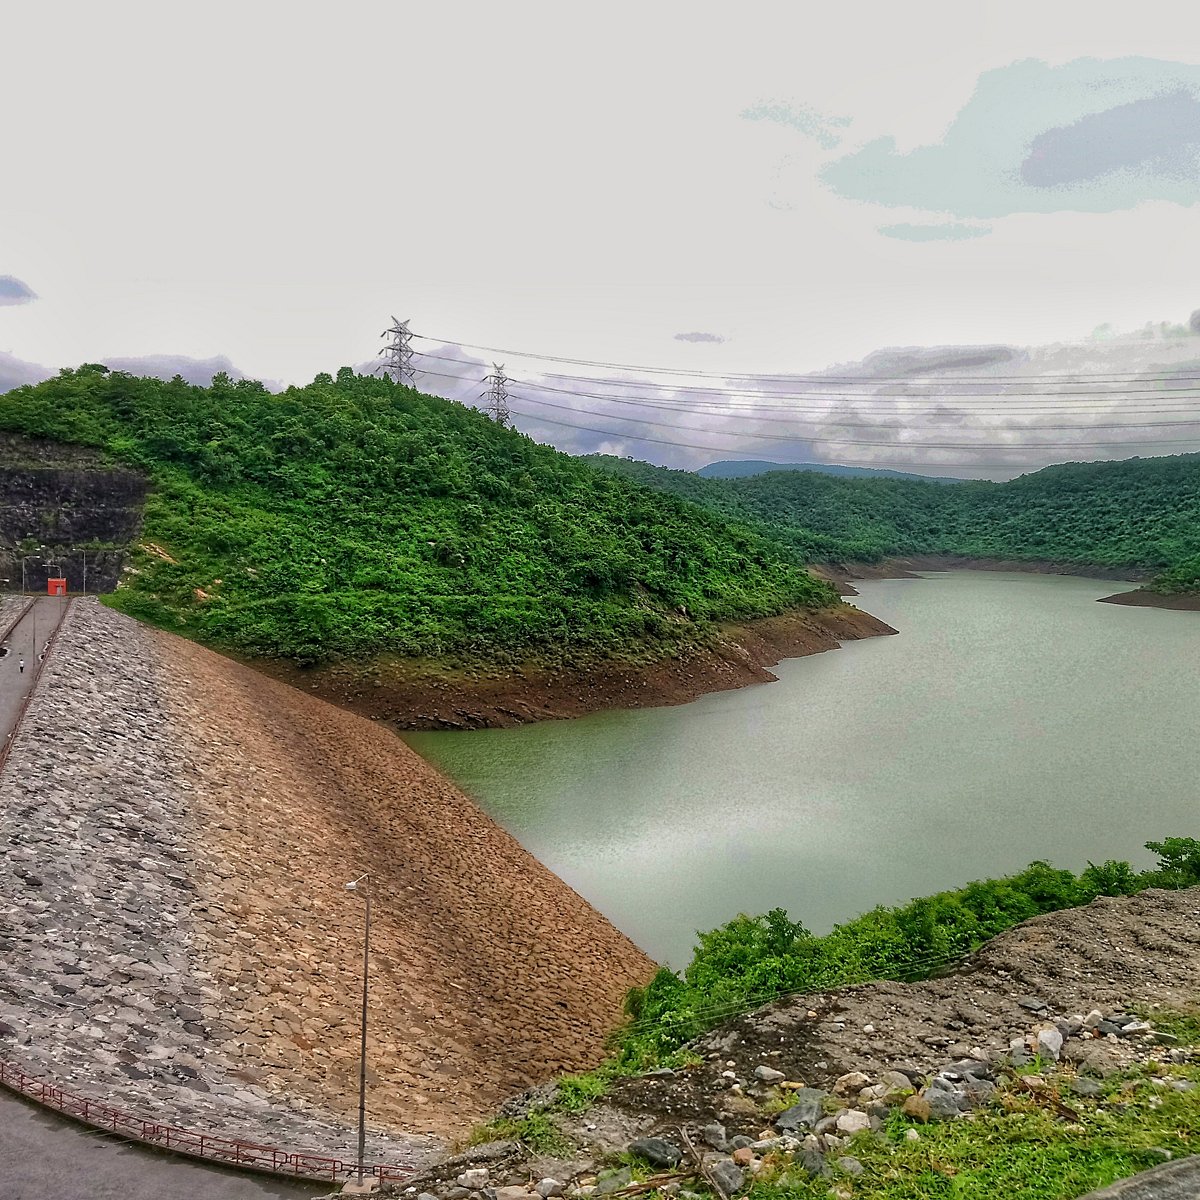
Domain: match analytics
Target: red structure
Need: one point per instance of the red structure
(56, 587)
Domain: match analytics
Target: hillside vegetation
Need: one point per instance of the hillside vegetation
(752, 960)
(1142, 514)
(353, 517)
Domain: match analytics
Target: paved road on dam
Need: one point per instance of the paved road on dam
(44, 1155)
(24, 643)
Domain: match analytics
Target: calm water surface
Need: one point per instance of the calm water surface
(1012, 718)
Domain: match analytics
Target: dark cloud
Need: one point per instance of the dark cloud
(1159, 135)
(16, 372)
(14, 291)
(700, 337)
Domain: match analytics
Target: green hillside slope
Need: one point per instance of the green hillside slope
(353, 517)
(1141, 514)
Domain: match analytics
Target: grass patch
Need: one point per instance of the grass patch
(1024, 1152)
(537, 1131)
(1183, 1024)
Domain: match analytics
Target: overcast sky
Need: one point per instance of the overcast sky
(726, 188)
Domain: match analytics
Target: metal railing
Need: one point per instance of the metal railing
(224, 1151)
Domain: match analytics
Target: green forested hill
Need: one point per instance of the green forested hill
(353, 517)
(1140, 513)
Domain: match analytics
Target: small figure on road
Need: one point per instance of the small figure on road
(22, 662)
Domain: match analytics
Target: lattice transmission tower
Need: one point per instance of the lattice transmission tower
(497, 395)
(398, 354)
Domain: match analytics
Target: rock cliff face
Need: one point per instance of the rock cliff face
(65, 510)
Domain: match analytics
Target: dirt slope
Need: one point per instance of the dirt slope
(489, 972)
(1135, 951)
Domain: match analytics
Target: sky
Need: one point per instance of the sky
(761, 188)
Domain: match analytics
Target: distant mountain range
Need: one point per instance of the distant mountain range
(734, 468)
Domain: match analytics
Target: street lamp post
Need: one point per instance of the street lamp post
(363, 884)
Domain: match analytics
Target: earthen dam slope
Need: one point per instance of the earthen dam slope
(175, 931)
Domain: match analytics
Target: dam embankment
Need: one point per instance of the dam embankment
(177, 936)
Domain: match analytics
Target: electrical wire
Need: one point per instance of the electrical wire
(825, 417)
(840, 441)
(786, 377)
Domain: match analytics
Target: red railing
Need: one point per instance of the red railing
(230, 1152)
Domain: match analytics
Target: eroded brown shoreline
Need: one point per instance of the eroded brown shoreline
(414, 696)
(910, 567)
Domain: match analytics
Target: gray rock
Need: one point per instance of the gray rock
(814, 1164)
(728, 1176)
(852, 1121)
(806, 1110)
(850, 1165)
(1032, 1004)
(1050, 1043)
(1086, 1087)
(715, 1136)
(768, 1074)
(943, 1106)
(475, 1178)
(658, 1152)
(740, 1141)
(613, 1181)
(978, 1091)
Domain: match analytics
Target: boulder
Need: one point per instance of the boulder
(807, 1109)
(851, 1083)
(658, 1152)
(943, 1106)
(852, 1121)
(728, 1176)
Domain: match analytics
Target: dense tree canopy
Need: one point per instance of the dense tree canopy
(354, 517)
(1143, 513)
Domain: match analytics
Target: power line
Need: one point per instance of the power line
(842, 441)
(1115, 387)
(1099, 402)
(878, 463)
(786, 377)
(823, 422)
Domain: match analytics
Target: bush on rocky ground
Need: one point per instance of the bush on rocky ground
(753, 960)
(1077, 1101)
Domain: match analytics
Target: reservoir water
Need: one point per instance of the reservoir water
(1011, 719)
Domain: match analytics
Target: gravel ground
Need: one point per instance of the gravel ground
(1141, 950)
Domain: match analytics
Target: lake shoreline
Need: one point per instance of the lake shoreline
(843, 574)
(415, 697)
